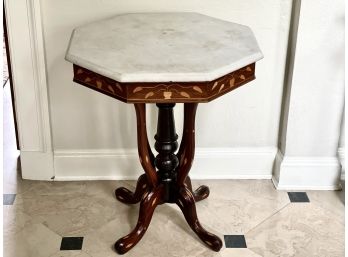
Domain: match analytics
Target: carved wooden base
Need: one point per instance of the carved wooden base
(126, 196)
(200, 193)
(170, 183)
(148, 204)
(185, 198)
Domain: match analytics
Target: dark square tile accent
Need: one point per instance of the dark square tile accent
(8, 199)
(71, 243)
(298, 197)
(235, 241)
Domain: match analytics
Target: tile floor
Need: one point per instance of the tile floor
(83, 219)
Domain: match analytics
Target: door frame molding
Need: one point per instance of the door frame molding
(30, 87)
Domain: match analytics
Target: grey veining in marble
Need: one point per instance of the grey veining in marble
(162, 47)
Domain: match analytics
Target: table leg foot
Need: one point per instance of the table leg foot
(147, 207)
(200, 193)
(186, 202)
(126, 196)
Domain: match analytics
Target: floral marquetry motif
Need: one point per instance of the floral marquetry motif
(167, 92)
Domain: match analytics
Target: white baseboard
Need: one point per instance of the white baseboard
(290, 173)
(306, 173)
(211, 163)
(37, 165)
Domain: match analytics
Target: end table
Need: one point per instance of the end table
(164, 58)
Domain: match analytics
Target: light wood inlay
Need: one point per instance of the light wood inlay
(185, 92)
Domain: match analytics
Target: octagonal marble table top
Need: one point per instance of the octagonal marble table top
(163, 47)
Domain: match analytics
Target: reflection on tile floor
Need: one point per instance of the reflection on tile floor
(44, 212)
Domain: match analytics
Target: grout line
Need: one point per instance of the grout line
(268, 218)
(254, 252)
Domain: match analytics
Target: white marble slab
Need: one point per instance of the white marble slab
(162, 47)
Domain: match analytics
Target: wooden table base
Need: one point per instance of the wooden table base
(171, 183)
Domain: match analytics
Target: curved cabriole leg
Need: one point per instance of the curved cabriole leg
(144, 150)
(126, 196)
(200, 193)
(187, 151)
(188, 183)
(187, 146)
(186, 202)
(149, 179)
(147, 207)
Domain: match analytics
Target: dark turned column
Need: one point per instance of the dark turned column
(166, 144)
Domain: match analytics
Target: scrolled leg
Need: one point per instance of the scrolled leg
(144, 150)
(188, 183)
(186, 202)
(147, 207)
(187, 146)
(200, 193)
(126, 196)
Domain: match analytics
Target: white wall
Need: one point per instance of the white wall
(342, 147)
(86, 135)
(341, 143)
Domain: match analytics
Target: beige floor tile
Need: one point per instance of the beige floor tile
(38, 188)
(14, 220)
(229, 252)
(236, 206)
(300, 229)
(239, 253)
(70, 254)
(33, 241)
(71, 214)
(13, 183)
(95, 247)
(106, 189)
(329, 200)
(167, 235)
